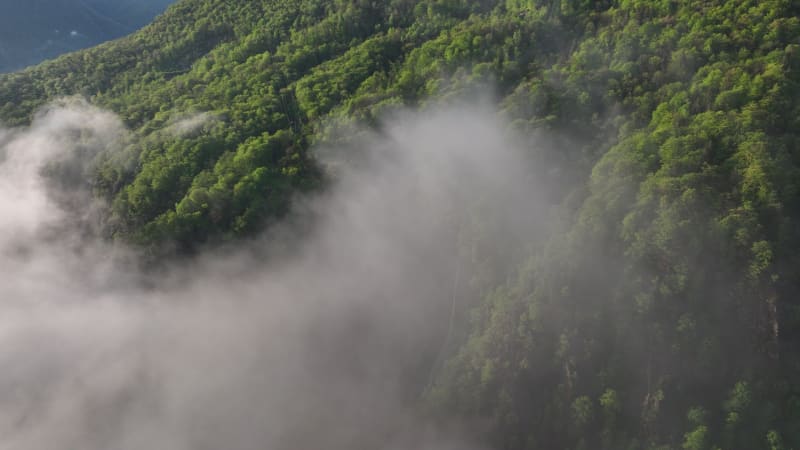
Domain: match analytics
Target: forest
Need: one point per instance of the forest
(660, 311)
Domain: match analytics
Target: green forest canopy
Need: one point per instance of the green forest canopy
(674, 129)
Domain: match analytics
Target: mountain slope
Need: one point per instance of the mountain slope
(663, 315)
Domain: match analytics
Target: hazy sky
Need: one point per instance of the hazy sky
(34, 30)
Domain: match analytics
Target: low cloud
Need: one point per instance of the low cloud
(188, 125)
(330, 347)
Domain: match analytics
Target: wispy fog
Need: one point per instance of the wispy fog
(330, 347)
(190, 124)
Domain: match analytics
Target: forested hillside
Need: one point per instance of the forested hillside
(662, 313)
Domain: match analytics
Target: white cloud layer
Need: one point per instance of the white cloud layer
(321, 349)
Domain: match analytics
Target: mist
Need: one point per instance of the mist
(328, 345)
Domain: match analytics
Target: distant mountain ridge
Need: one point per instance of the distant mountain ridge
(35, 30)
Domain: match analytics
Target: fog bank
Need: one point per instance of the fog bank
(329, 347)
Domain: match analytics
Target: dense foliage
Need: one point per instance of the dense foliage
(664, 315)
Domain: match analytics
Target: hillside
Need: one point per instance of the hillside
(32, 31)
(662, 312)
